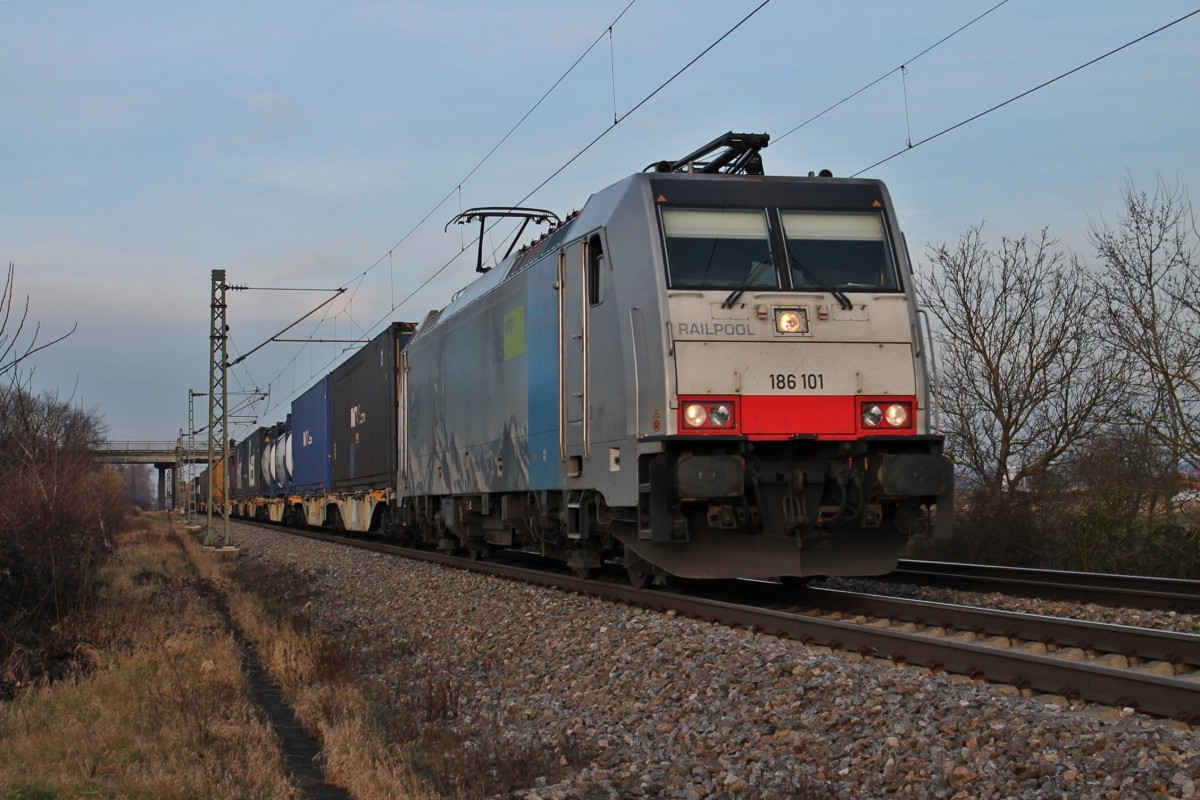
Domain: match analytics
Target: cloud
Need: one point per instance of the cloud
(271, 104)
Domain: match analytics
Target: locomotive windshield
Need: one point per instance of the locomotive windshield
(718, 248)
(827, 251)
(845, 250)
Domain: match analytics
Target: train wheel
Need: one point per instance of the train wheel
(477, 552)
(639, 579)
(639, 571)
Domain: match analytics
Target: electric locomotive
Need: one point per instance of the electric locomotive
(705, 372)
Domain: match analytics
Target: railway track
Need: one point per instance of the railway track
(1128, 591)
(1152, 671)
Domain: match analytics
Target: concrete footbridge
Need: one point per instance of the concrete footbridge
(164, 455)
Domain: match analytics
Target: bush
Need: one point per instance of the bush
(1160, 546)
(58, 512)
(1009, 532)
(1074, 530)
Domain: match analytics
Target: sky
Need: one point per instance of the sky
(318, 145)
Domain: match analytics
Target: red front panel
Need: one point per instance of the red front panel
(823, 416)
(787, 415)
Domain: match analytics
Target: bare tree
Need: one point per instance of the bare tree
(12, 352)
(58, 508)
(1024, 374)
(1150, 286)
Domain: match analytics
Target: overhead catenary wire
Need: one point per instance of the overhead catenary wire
(1027, 92)
(892, 71)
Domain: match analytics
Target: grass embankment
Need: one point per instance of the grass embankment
(160, 705)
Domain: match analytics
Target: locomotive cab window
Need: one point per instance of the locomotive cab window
(718, 249)
(595, 271)
(847, 250)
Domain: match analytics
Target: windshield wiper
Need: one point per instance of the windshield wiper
(754, 274)
(823, 285)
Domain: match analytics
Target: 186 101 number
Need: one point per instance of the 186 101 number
(810, 381)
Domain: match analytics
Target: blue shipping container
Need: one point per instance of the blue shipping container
(311, 463)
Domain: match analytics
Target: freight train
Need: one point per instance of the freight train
(705, 372)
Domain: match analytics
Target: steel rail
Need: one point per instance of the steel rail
(1157, 695)
(1133, 591)
(1145, 643)
(1153, 694)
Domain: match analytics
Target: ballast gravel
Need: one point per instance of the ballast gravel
(631, 703)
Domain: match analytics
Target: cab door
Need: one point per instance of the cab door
(574, 444)
(402, 465)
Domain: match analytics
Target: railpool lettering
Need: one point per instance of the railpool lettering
(715, 329)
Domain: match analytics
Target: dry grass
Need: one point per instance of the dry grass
(311, 672)
(162, 708)
(458, 753)
(158, 704)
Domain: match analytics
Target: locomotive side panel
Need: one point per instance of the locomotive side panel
(541, 344)
(423, 431)
(481, 411)
(621, 296)
(486, 412)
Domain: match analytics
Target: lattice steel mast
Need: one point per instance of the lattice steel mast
(218, 411)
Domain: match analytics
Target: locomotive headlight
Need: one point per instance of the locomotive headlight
(791, 320)
(872, 415)
(695, 415)
(896, 415)
(720, 416)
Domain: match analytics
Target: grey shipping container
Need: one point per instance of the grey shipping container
(363, 411)
(249, 480)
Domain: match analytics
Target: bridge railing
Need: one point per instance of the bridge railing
(145, 445)
(145, 452)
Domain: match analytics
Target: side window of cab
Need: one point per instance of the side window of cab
(596, 266)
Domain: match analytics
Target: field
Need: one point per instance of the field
(156, 701)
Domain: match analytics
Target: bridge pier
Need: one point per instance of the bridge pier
(162, 484)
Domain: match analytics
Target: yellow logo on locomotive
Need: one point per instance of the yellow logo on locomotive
(514, 333)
